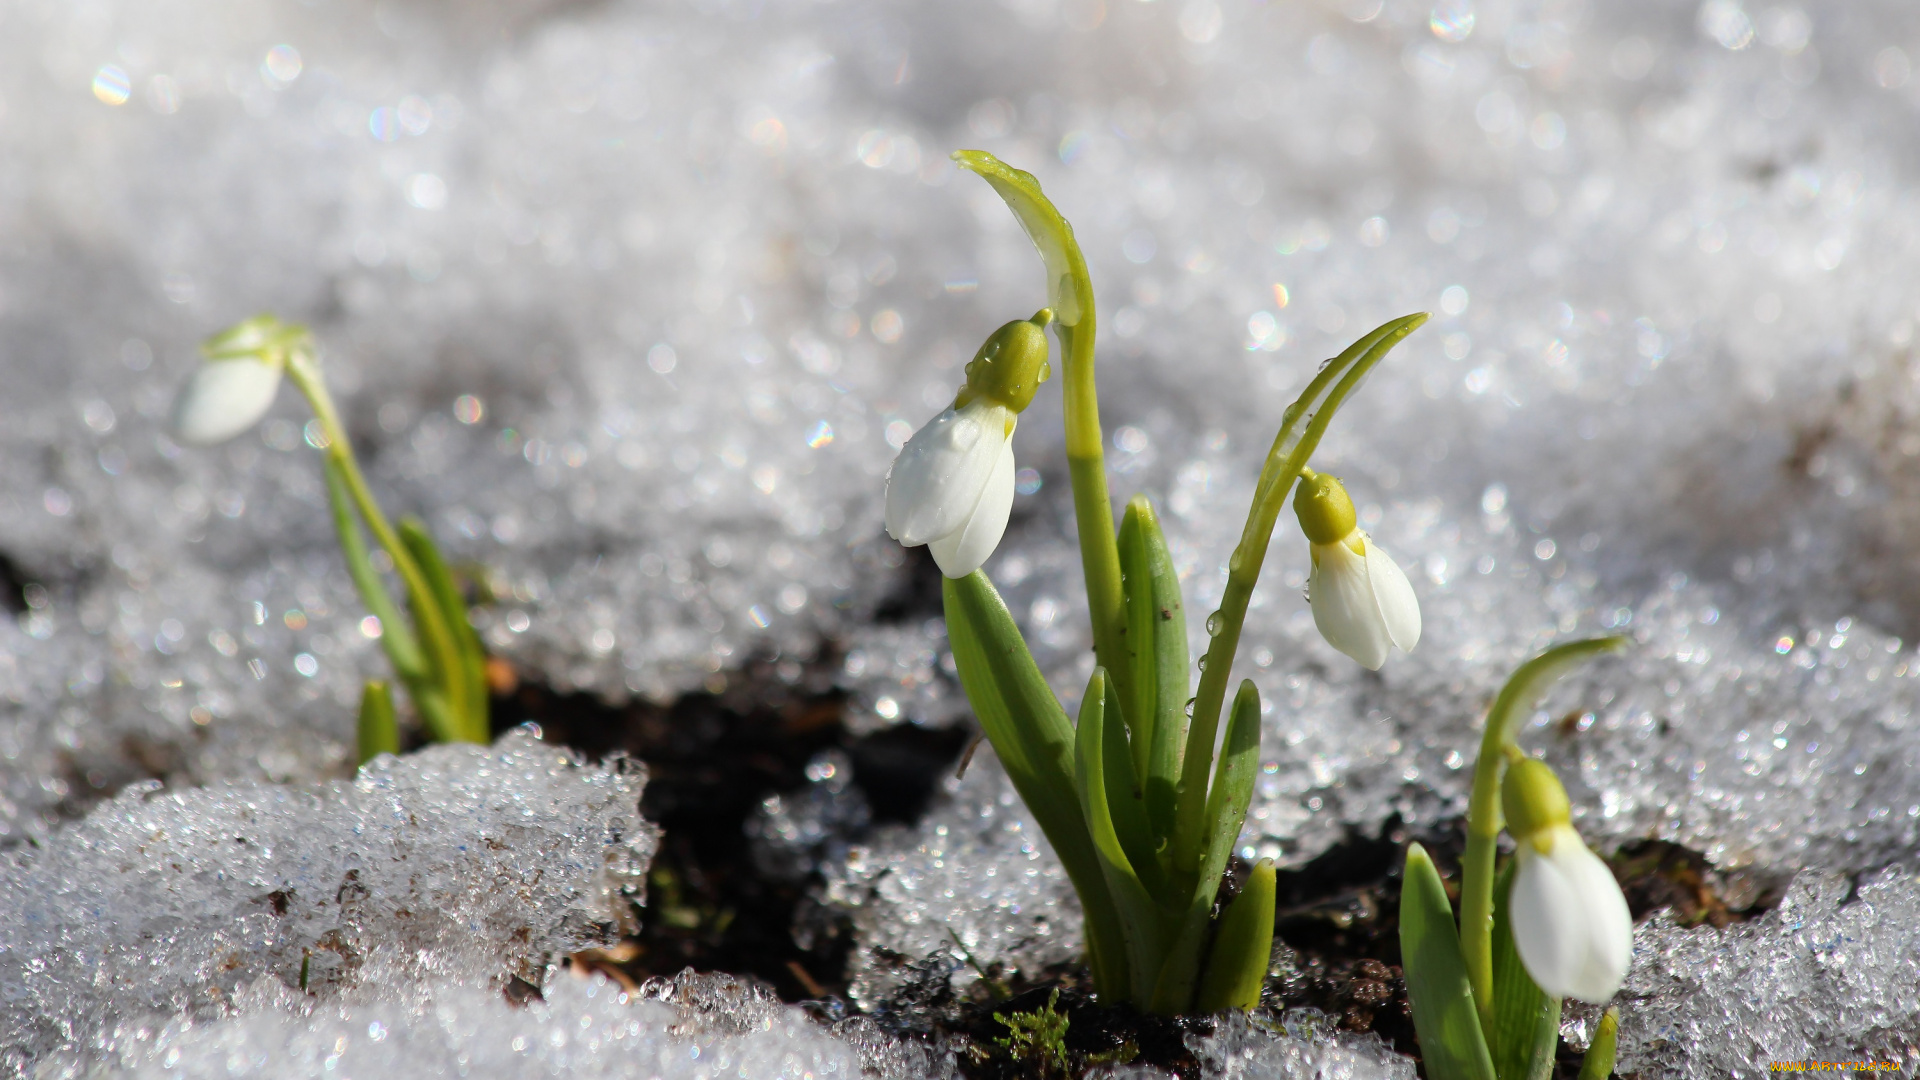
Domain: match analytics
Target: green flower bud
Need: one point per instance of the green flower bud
(1326, 514)
(1010, 367)
(1534, 799)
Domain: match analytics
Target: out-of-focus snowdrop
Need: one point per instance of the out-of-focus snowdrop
(436, 654)
(237, 379)
(1362, 602)
(951, 488)
(1570, 921)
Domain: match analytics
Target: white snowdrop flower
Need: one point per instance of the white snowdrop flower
(1362, 602)
(951, 488)
(236, 381)
(1570, 922)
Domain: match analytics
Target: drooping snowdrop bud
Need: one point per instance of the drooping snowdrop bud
(951, 488)
(236, 381)
(1362, 603)
(1570, 921)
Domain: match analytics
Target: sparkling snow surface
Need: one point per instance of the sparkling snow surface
(696, 1028)
(632, 302)
(455, 866)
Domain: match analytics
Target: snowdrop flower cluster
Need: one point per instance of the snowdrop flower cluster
(1144, 797)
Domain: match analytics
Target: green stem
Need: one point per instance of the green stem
(1070, 296)
(1598, 1064)
(1291, 448)
(1087, 473)
(434, 629)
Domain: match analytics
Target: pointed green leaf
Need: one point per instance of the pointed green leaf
(1451, 1044)
(1139, 918)
(1598, 1064)
(1126, 804)
(1301, 429)
(1141, 708)
(467, 678)
(1227, 803)
(396, 637)
(1526, 1022)
(1157, 636)
(1030, 733)
(1237, 966)
(379, 730)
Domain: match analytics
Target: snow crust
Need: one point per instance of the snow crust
(1828, 976)
(457, 866)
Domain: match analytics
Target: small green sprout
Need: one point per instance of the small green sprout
(436, 655)
(1142, 811)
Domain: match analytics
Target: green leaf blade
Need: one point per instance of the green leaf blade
(1526, 1022)
(1237, 966)
(1140, 707)
(1452, 1046)
(1126, 802)
(378, 729)
(466, 673)
(1157, 634)
(396, 637)
(1227, 802)
(1139, 918)
(1035, 744)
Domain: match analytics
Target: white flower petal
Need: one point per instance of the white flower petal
(936, 481)
(223, 399)
(962, 552)
(1570, 922)
(1399, 609)
(1609, 923)
(1344, 608)
(1547, 914)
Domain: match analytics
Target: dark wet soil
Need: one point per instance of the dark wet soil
(714, 757)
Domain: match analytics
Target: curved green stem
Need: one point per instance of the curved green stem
(441, 646)
(1315, 409)
(1517, 699)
